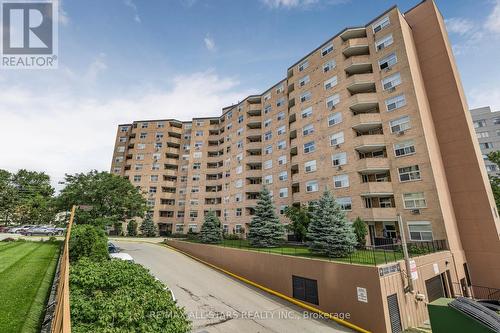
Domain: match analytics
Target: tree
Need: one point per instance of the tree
(360, 230)
(328, 231)
(104, 195)
(211, 230)
(494, 157)
(8, 197)
(299, 217)
(132, 228)
(88, 241)
(148, 228)
(265, 229)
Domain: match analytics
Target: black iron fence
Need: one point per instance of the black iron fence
(476, 292)
(365, 255)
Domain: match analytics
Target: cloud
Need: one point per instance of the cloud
(493, 21)
(63, 17)
(289, 4)
(484, 97)
(459, 25)
(209, 43)
(61, 131)
(97, 66)
(131, 4)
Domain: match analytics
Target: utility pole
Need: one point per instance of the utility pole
(405, 252)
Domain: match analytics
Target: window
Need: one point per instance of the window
(410, 173)
(481, 135)
(334, 119)
(337, 139)
(329, 65)
(268, 150)
(305, 289)
(267, 109)
(400, 125)
(239, 144)
(404, 148)
(268, 164)
(122, 139)
(312, 186)
(384, 42)
(392, 81)
(137, 178)
(341, 181)
(240, 119)
(420, 231)
(193, 227)
(124, 129)
(381, 24)
(282, 160)
(121, 149)
(283, 192)
(388, 61)
(267, 122)
(308, 129)
(394, 103)
(310, 166)
(196, 166)
(283, 209)
(280, 102)
(491, 168)
(195, 189)
(238, 229)
(281, 116)
(268, 136)
(306, 113)
(138, 167)
(117, 170)
(283, 176)
(339, 159)
(303, 81)
(479, 123)
(330, 83)
(139, 157)
(306, 96)
(159, 136)
(309, 147)
(143, 135)
(332, 101)
(238, 197)
(239, 169)
(496, 121)
(303, 65)
(197, 154)
(327, 49)
(144, 125)
(267, 97)
(268, 179)
(199, 133)
(280, 89)
(414, 200)
(154, 178)
(152, 189)
(281, 145)
(486, 145)
(281, 130)
(345, 203)
(238, 183)
(239, 211)
(141, 146)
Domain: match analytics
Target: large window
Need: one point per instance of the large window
(330, 83)
(307, 112)
(308, 129)
(312, 186)
(400, 124)
(392, 81)
(339, 159)
(388, 61)
(341, 181)
(414, 200)
(334, 118)
(420, 231)
(410, 173)
(345, 203)
(337, 138)
(381, 24)
(404, 148)
(327, 49)
(306, 96)
(309, 147)
(310, 166)
(329, 65)
(332, 101)
(304, 80)
(479, 123)
(384, 42)
(394, 103)
(303, 65)
(283, 192)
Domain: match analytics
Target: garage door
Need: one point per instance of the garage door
(434, 288)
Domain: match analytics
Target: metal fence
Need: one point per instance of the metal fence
(366, 255)
(61, 322)
(476, 292)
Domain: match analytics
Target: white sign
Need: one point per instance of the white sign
(362, 295)
(436, 268)
(413, 270)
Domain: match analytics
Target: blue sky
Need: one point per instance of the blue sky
(122, 60)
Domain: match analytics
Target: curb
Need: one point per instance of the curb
(273, 292)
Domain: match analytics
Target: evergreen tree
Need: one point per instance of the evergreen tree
(148, 228)
(360, 230)
(328, 231)
(132, 228)
(211, 230)
(265, 229)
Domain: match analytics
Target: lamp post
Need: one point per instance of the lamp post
(405, 252)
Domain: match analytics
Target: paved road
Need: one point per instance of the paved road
(219, 303)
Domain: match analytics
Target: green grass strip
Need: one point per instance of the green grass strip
(14, 254)
(7, 245)
(20, 284)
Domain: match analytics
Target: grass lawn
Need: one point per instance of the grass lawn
(363, 257)
(26, 273)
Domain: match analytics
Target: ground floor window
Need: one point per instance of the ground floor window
(179, 228)
(420, 231)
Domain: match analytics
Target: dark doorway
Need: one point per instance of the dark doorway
(394, 316)
(435, 288)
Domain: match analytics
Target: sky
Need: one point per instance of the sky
(125, 60)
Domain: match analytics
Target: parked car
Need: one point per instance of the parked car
(39, 231)
(122, 256)
(18, 230)
(112, 248)
(4, 229)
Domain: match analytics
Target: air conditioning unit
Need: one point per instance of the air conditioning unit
(392, 89)
(401, 133)
(387, 69)
(339, 167)
(337, 146)
(380, 47)
(331, 107)
(415, 211)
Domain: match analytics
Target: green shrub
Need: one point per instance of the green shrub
(88, 241)
(232, 236)
(118, 296)
(192, 235)
(132, 228)
(177, 235)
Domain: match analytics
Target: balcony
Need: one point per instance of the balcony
(358, 65)
(172, 151)
(364, 122)
(355, 46)
(364, 103)
(174, 140)
(253, 159)
(169, 183)
(253, 173)
(171, 161)
(351, 33)
(379, 214)
(170, 172)
(253, 188)
(376, 189)
(371, 165)
(253, 132)
(361, 83)
(367, 143)
(254, 146)
(175, 131)
(254, 122)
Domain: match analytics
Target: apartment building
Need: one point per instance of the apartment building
(487, 126)
(376, 114)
